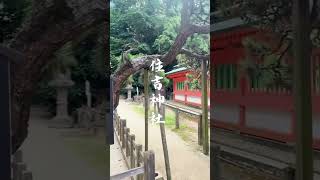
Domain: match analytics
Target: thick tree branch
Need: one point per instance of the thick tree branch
(193, 55)
(137, 64)
(52, 24)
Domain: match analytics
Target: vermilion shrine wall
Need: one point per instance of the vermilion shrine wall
(262, 112)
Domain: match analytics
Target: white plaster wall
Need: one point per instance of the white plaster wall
(275, 121)
(226, 113)
(179, 97)
(194, 99)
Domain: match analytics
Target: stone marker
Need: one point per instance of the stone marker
(129, 89)
(62, 119)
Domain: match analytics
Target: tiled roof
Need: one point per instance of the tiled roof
(176, 70)
(227, 24)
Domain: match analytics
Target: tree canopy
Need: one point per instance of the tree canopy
(151, 29)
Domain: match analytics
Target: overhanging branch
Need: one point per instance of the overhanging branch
(193, 55)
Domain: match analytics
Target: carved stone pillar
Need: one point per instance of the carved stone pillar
(62, 118)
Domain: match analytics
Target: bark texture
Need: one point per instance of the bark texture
(51, 24)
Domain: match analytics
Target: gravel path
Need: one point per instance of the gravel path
(116, 159)
(48, 157)
(186, 162)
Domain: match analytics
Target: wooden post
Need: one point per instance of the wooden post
(139, 158)
(200, 130)
(132, 138)
(149, 165)
(177, 119)
(204, 104)
(119, 124)
(163, 110)
(124, 137)
(27, 175)
(302, 89)
(123, 125)
(127, 141)
(215, 163)
(165, 149)
(5, 111)
(146, 107)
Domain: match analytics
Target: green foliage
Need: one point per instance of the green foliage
(12, 15)
(193, 82)
(85, 59)
(270, 71)
(63, 60)
(150, 27)
(166, 38)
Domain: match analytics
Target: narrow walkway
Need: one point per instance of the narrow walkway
(116, 159)
(48, 157)
(235, 141)
(186, 162)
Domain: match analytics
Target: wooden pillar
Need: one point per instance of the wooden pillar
(149, 165)
(124, 135)
(164, 144)
(127, 141)
(302, 89)
(177, 119)
(7, 56)
(132, 138)
(146, 107)
(139, 158)
(5, 103)
(215, 163)
(204, 104)
(200, 130)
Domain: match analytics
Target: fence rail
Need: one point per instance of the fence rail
(252, 166)
(19, 168)
(141, 164)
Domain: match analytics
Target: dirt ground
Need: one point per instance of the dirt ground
(48, 157)
(116, 159)
(186, 161)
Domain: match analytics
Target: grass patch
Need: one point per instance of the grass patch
(170, 115)
(92, 149)
(170, 122)
(184, 132)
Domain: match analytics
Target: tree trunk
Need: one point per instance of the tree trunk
(51, 25)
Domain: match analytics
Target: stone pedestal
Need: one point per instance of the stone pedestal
(129, 89)
(62, 119)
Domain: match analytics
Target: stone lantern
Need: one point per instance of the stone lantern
(62, 120)
(129, 89)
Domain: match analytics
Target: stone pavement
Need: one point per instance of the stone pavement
(116, 159)
(48, 158)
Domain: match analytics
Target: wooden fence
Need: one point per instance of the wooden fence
(141, 164)
(19, 168)
(177, 111)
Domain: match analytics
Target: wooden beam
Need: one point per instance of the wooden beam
(204, 104)
(149, 165)
(128, 173)
(5, 123)
(164, 143)
(146, 108)
(302, 89)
